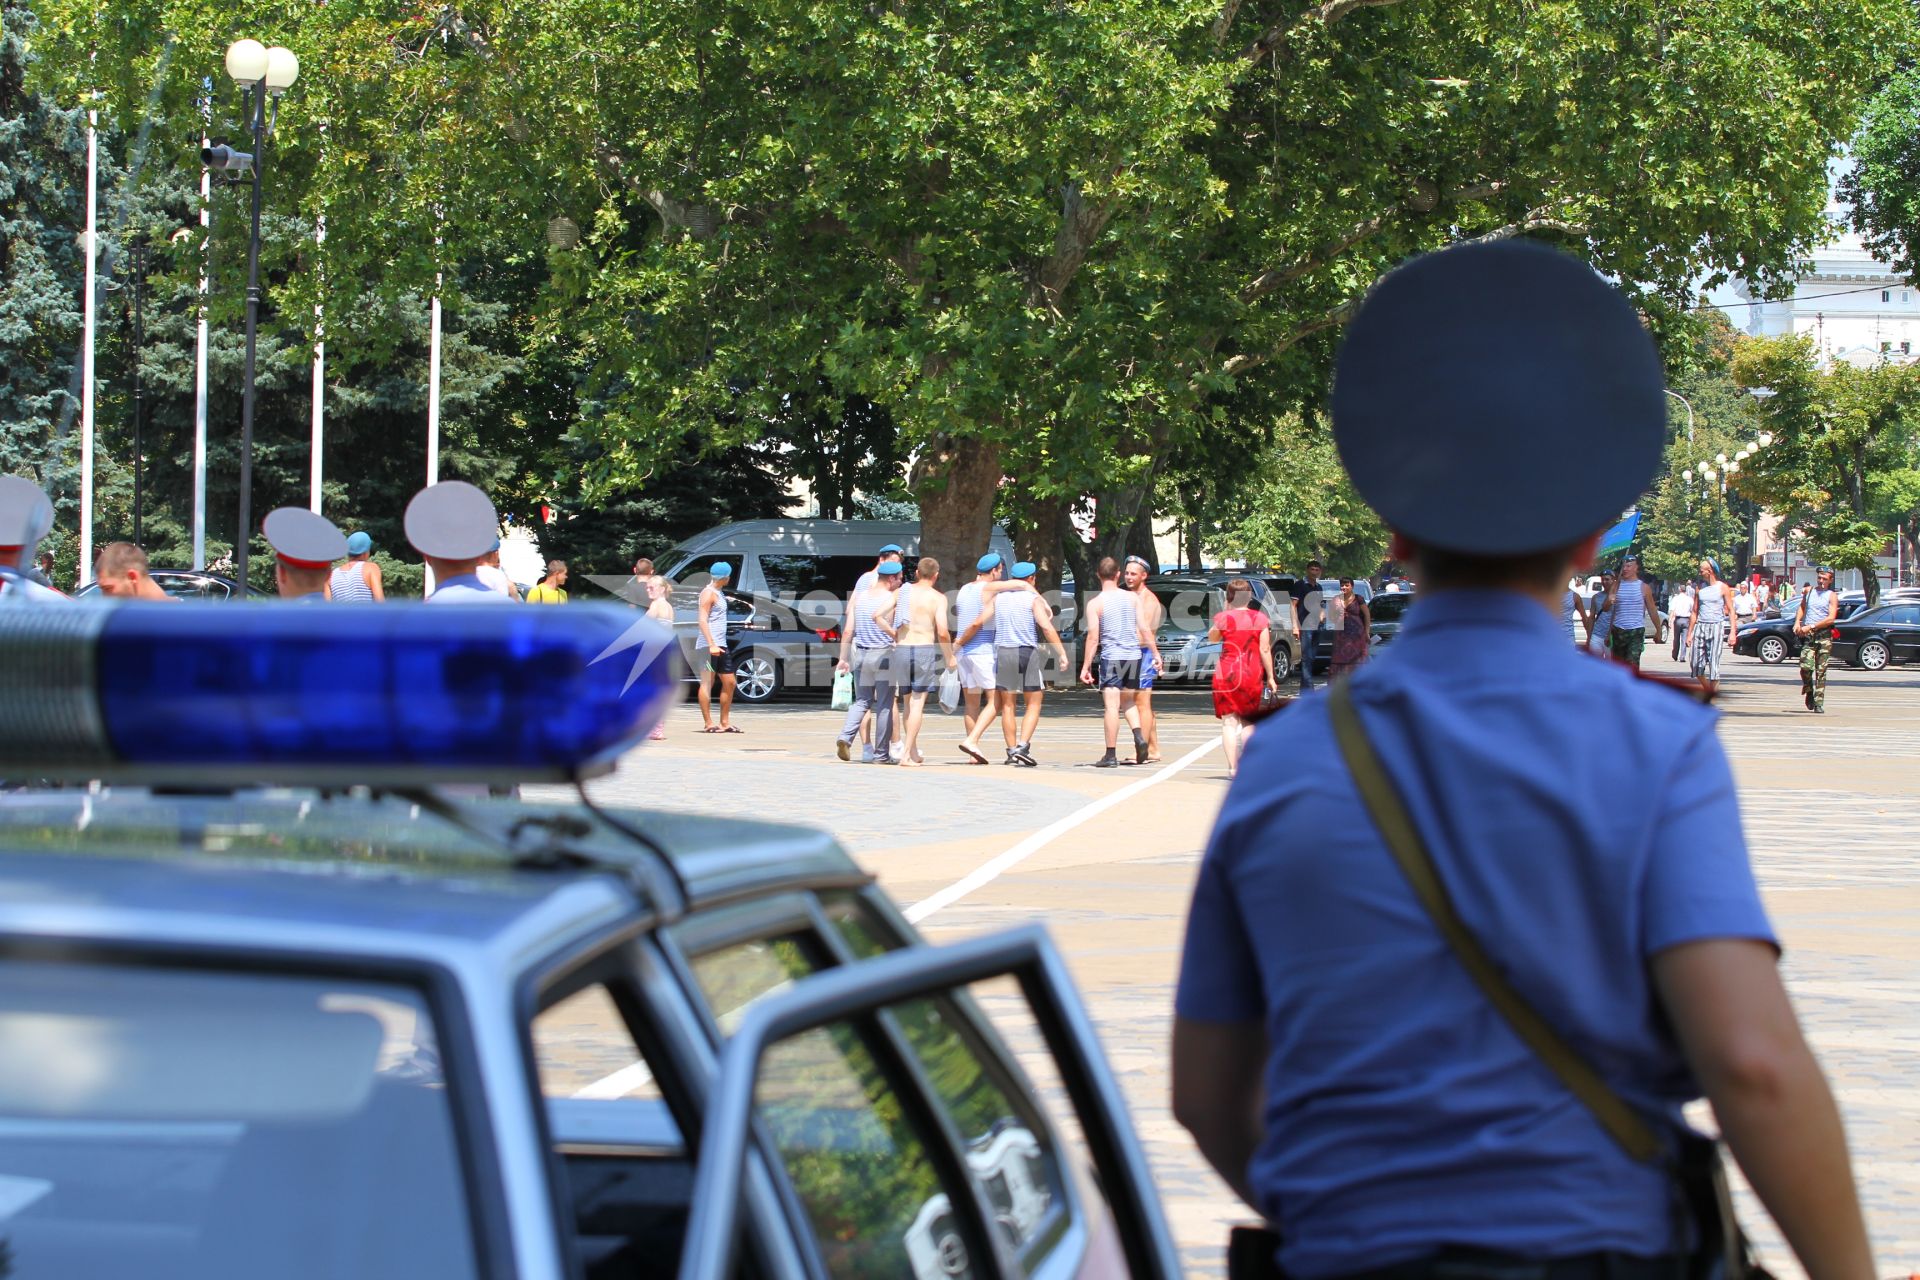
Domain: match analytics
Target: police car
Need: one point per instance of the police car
(284, 992)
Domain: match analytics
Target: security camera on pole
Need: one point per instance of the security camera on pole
(263, 73)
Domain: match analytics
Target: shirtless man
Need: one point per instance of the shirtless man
(925, 650)
(1147, 605)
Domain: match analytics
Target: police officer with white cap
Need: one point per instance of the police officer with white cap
(454, 526)
(305, 545)
(1451, 1034)
(26, 516)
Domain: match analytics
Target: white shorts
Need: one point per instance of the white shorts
(976, 669)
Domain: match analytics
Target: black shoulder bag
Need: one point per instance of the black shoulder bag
(1721, 1251)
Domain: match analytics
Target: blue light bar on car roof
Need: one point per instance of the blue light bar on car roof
(399, 694)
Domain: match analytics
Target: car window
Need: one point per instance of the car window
(861, 1166)
(583, 1049)
(195, 1122)
(733, 978)
(1007, 1146)
(1904, 614)
(1390, 606)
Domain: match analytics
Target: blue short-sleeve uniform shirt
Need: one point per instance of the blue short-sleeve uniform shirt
(1583, 821)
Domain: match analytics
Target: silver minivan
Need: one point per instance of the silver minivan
(807, 567)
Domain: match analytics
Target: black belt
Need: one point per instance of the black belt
(1472, 1264)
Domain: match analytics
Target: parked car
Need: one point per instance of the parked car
(1879, 637)
(333, 1020)
(187, 584)
(774, 651)
(1388, 610)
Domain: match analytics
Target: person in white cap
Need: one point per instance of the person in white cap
(305, 545)
(25, 517)
(453, 526)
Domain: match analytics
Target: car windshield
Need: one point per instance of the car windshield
(1390, 606)
(223, 1125)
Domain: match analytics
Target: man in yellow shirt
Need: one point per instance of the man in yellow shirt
(550, 590)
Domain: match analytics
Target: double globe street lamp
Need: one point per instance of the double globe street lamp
(263, 74)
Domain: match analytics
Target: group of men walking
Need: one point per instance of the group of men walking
(897, 646)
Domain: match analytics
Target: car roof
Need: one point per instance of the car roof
(411, 901)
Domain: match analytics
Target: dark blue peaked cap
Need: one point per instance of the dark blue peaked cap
(1498, 399)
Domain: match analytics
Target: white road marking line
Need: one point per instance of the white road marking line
(619, 1084)
(993, 869)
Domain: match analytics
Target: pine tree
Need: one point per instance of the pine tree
(42, 194)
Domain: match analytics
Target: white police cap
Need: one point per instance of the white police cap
(25, 513)
(302, 538)
(452, 520)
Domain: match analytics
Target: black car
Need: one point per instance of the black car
(187, 584)
(1388, 610)
(1772, 640)
(1874, 638)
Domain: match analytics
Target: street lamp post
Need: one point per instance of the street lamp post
(263, 73)
(1689, 407)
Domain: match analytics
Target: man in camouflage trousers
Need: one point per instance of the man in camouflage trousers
(1813, 621)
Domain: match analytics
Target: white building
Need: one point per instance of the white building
(1853, 306)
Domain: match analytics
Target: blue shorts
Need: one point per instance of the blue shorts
(1149, 672)
(1120, 673)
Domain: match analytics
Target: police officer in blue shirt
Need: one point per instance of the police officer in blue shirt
(1334, 1055)
(454, 527)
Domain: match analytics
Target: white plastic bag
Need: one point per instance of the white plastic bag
(842, 691)
(949, 691)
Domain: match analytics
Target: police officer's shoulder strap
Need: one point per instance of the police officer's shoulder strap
(1382, 800)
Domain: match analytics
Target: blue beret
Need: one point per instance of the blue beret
(358, 544)
(890, 569)
(720, 569)
(893, 548)
(1506, 368)
(988, 562)
(1025, 569)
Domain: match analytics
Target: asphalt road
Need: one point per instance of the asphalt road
(1106, 859)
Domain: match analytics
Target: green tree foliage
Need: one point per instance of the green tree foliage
(1058, 242)
(1841, 461)
(1882, 189)
(1296, 504)
(42, 214)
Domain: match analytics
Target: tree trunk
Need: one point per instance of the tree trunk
(1041, 537)
(1193, 546)
(1140, 537)
(1115, 515)
(955, 483)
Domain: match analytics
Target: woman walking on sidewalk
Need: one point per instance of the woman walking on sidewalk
(1352, 633)
(1245, 672)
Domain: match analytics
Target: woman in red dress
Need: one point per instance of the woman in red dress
(1245, 672)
